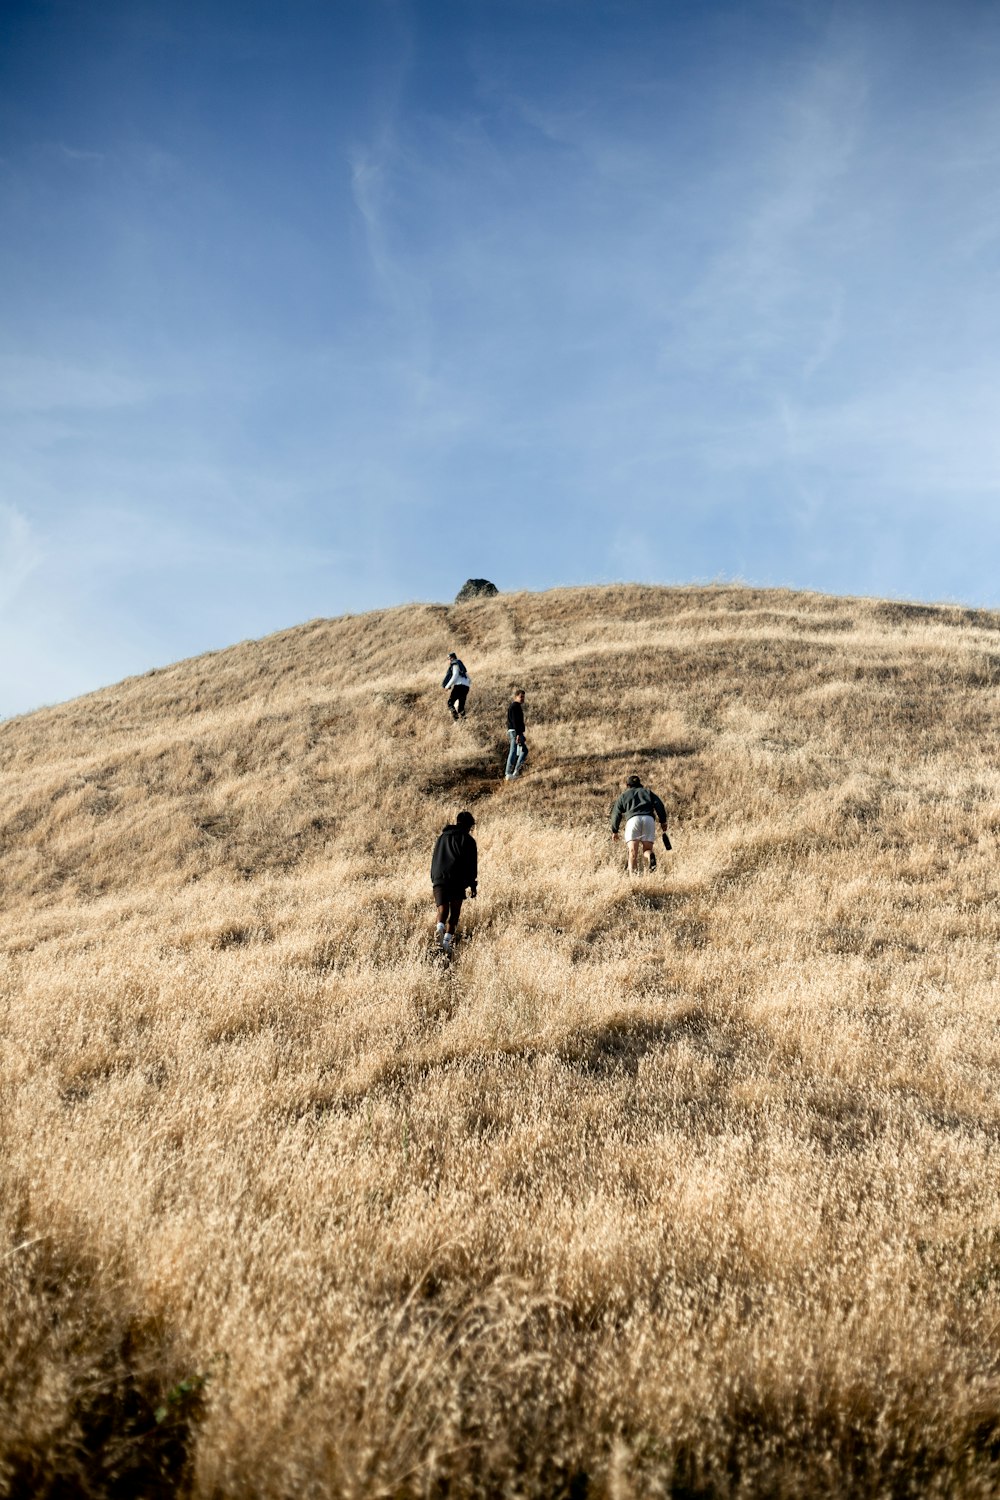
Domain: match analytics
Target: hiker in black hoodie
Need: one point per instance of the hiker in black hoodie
(454, 869)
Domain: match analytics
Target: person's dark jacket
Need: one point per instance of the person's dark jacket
(456, 859)
(633, 802)
(515, 717)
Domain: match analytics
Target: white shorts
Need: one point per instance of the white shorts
(641, 828)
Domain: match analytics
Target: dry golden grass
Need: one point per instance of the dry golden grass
(683, 1186)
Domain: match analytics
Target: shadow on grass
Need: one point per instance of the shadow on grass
(128, 1422)
(614, 765)
(620, 1046)
(466, 783)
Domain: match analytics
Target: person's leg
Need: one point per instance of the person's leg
(511, 753)
(461, 693)
(454, 911)
(520, 751)
(633, 840)
(441, 906)
(453, 701)
(647, 854)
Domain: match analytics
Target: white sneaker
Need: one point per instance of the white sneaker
(447, 942)
(439, 931)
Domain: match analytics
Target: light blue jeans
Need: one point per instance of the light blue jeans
(516, 754)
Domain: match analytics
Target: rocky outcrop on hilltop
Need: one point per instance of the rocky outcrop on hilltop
(476, 588)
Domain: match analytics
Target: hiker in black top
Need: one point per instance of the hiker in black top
(641, 809)
(454, 869)
(456, 678)
(518, 745)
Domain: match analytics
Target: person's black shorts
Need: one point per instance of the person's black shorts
(446, 895)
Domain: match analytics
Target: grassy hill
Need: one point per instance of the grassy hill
(686, 1185)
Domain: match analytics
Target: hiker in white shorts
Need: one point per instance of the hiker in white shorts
(640, 809)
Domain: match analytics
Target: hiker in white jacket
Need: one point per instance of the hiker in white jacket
(457, 679)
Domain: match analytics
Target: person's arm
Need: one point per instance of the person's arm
(447, 678)
(661, 813)
(616, 817)
(473, 866)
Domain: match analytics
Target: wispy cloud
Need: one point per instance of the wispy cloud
(20, 553)
(77, 154)
(371, 168)
(924, 436)
(34, 383)
(772, 293)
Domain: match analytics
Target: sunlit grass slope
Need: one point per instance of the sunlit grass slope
(681, 1186)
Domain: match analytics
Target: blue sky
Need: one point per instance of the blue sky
(317, 307)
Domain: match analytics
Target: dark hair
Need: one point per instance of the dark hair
(465, 820)
(634, 780)
(452, 656)
(519, 693)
